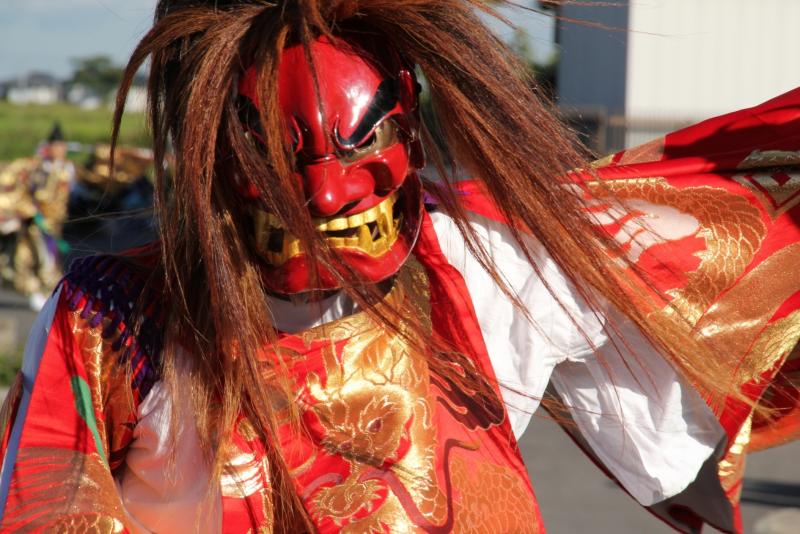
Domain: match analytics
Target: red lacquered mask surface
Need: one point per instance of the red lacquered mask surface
(356, 149)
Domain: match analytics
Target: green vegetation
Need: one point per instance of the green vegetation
(98, 73)
(23, 127)
(10, 364)
(543, 73)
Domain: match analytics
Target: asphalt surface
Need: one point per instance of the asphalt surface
(574, 496)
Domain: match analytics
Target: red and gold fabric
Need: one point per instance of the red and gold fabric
(390, 442)
(709, 216)
(735, 180)
(394, 443)
(68, 424)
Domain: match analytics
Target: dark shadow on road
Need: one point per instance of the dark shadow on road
(10, 305)
(767, 493)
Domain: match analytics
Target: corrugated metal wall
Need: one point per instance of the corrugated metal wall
(691, 59)
(680, 61)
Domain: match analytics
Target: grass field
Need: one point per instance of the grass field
(23, 127)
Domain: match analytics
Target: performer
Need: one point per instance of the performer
(325, 340)
(33, 208)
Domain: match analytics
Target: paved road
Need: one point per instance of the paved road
(15, 320)
(574, 496)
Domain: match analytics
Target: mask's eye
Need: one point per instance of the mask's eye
(384, 135)
(248, 115)
(296, 133)
(254, 138)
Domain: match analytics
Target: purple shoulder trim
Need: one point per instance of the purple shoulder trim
(108, 289)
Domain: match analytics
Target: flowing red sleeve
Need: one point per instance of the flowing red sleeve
(56, 468)
(70, 418)
(722, 199)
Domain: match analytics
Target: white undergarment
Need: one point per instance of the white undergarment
(649, 428)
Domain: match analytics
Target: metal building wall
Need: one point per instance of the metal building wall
(592, 60)
(693, 59)
(680, 61)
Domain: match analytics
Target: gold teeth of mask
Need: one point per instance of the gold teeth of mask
(359, 223)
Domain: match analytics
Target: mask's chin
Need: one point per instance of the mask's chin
(318, 295)
(374, 244)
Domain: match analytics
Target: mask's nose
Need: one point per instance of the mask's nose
(329, 187)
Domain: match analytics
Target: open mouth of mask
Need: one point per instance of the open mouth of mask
(372, 232)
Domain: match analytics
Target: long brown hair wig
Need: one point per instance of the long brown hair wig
(494, 126)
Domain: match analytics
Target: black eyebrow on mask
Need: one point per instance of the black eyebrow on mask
(383, 102)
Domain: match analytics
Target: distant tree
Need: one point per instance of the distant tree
(543, 72)
(98, 73)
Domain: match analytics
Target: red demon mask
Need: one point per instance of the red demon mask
(356, 151)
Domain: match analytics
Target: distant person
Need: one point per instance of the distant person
(111, 211)
(33, 206)
(56, 176)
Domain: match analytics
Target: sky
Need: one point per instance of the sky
(45, 35)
